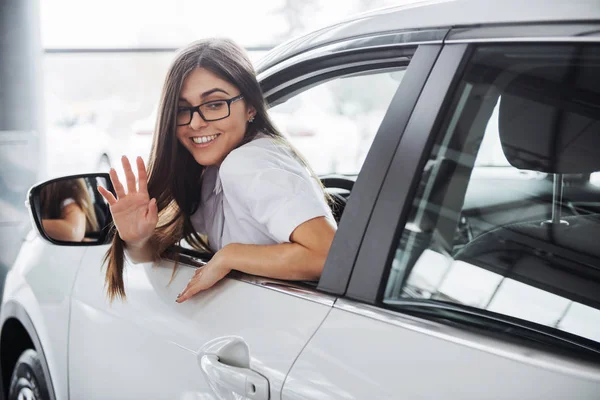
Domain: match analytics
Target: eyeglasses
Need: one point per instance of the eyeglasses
(209, 111)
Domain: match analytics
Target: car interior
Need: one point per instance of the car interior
(538, 224)
(553, 128)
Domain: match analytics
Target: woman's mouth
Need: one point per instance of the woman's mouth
(203, 141)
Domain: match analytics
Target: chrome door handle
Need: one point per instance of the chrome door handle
(242, 381)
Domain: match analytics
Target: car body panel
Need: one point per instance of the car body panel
(388, 355)
(160, 340)
(40, 282)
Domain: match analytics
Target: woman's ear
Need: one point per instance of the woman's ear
(251, 113)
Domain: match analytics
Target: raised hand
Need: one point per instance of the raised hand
(134, 214)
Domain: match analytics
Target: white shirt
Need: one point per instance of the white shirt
(258, 195)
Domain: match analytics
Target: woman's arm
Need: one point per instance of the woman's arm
(71, 227)
(302, 259)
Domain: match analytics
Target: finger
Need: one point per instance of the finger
(189, 285)
(129, 176)
(181, 297)
(116, 183)
(108, 196)
(142, 175)
(193, 287)
(189, 292)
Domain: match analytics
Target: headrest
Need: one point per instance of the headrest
(550, 126)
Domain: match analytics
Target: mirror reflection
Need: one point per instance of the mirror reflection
(72, 209)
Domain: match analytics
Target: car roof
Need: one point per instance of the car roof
(439, 14)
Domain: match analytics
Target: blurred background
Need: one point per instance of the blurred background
(104, 64)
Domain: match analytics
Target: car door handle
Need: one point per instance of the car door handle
(242, 381)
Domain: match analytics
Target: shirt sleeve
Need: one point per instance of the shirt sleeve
(274, 187)
(66, 202)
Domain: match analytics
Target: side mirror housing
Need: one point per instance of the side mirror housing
(71, 211)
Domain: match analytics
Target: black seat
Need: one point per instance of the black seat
(338, 204)
(545, 125)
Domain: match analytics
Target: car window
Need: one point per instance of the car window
(503, 227)
(333, 124)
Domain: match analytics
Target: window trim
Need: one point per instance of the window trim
(347, 241)
(305, 73)
(524, 33)
(373, 262)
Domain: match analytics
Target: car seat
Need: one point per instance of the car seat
(545, 125)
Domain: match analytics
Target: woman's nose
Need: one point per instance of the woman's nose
(197, 121)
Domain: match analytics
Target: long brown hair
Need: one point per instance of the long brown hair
(174, 176)
(53, 194)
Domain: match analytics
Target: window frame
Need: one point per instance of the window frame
(324, 67)
(387, 222)
(373, 264)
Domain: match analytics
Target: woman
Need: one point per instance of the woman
(67, 210)
(219, 169)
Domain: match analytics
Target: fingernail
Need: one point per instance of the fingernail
(179, 295)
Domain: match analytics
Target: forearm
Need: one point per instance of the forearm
(59, 229)
(288, 261)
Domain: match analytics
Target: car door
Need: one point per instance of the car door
(433, 311)
(244, 334)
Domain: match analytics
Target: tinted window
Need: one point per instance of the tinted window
(505, 222)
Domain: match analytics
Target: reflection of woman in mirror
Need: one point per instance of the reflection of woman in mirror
(67, 210)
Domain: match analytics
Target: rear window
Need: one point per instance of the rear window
(505, 225)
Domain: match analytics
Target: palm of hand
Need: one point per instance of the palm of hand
(134, 214)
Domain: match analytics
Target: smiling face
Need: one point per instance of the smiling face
(210, 142)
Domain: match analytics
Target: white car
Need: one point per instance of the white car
(316, 127)
(438, 285)
(139, 142)
(76, 144)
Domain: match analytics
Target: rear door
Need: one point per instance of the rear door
(445, 304)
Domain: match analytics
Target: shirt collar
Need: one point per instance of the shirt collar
(218, 188)
(211, 183)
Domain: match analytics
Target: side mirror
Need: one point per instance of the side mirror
(71, 210)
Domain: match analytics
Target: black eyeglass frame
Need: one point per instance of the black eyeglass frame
(192, 110)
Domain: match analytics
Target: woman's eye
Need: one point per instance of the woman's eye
(181, 110)
(215, 106)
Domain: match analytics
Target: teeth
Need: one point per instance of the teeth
(204, 139)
